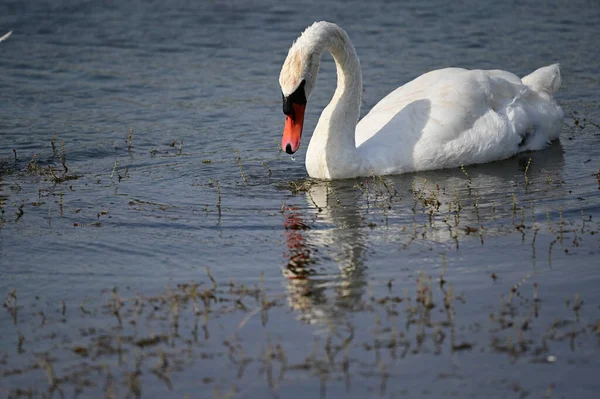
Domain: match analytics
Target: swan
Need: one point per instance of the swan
(442, 119)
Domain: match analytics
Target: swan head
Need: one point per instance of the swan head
(297, 80)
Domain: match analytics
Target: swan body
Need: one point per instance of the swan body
(442, 119)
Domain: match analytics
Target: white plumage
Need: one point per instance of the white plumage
(6, 36)
(441, 119)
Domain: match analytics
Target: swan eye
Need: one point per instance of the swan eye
(297, 97)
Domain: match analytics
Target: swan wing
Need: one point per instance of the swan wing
(455, 116)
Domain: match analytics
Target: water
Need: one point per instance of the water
(170, 116)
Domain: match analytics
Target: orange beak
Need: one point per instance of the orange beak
(292, 132)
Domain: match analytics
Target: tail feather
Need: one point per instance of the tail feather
(546, 79)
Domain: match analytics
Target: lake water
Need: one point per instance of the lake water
(155, 242)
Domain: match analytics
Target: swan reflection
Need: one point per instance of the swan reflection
(324, 296)
(343, 221)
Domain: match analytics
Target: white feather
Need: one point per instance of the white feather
(3, 38)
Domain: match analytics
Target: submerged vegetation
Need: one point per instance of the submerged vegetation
(385, 278)
(228, 332)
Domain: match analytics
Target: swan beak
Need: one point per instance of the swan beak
(292, 132)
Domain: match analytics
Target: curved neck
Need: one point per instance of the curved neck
(332, 149)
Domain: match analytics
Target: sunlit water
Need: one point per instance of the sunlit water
(170, 115)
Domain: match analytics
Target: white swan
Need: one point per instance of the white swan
(442, 119)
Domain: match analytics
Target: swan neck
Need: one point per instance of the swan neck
(332, 152)
(349, 76)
